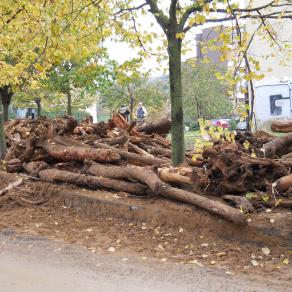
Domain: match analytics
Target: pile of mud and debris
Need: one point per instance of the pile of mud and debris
(226, 181)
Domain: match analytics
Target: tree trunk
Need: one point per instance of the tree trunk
(74, 153)
(39, 106)
(6, 95)
(69, 103)
(177, 126)
(2, 135)
(54, 175)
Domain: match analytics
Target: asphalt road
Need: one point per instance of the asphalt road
(29, 263)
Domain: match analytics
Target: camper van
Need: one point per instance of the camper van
(272, 102)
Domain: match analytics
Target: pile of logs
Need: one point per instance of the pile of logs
(123, 157)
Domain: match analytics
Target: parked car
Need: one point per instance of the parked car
(241, 126)
(223, 123)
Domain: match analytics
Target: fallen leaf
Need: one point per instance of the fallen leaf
(266, 251)
(220, 254)
(111, 249)
(285, 261)
(196, 263)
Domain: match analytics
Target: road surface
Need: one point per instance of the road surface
(31, 263)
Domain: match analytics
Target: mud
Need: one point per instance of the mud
(190, 243)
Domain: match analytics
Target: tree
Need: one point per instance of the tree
(34, 35)
(176, 20)
(152, 93)
(204, 96)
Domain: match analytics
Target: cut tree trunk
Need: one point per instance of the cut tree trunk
(169, 175)
(157, 186)
(54, 175)
(278, 147)
(73, 153)
(135, 158)
(119, 140)
(283, 184)
(146, 176)
(177, 119)
(215, 207)
(161, 127)
(156, 150)
(282, 127)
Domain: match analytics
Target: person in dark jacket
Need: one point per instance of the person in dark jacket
(124, 111)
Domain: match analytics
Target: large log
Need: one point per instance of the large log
(160, 188)
(146, 176)
(135, 158)
(74, 153)
(282, 126)
(174, 176)
(215, 207)
(54, 175)
(161, 127)
(278, 147)
(283, 184)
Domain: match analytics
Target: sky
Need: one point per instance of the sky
(121, 52)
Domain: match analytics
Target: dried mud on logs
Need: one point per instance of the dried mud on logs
(54, 175)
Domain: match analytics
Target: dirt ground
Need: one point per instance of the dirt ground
(34, 208)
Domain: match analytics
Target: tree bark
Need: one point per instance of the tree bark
(146, 176)
(161, 127)
(177, 126)
(215, 207)
(69, 103)
(279, 146)
(282, 126)
(135, 158)
(39, 106)
(54, 175)
(2, 135)
(73, 153)
(6, 95)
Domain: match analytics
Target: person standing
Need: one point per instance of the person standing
(141, 113)
(124, 112)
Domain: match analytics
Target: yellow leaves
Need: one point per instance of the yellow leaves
(180, 35)
(197, 19)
